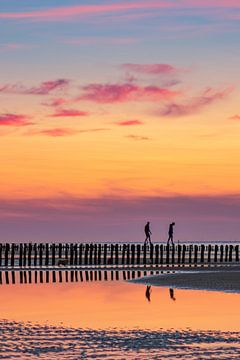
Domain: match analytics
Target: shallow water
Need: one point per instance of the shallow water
(116, 320)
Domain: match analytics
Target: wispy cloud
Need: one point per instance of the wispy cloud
(14, 120)
(63, 12)
(61, 132)
(56, 102)
(69, 113)
(196, 104)
(113, 93)
(45, 88)
(235, 117)
(129, 122)
(152, 69)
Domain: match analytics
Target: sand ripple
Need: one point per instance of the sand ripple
(28, 341)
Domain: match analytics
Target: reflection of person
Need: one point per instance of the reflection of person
(148, 292)
(148, 233)
(170, 232)
(171, 292)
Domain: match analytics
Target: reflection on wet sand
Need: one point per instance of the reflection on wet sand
(52, 276)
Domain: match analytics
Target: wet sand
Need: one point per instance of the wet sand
(225, 279)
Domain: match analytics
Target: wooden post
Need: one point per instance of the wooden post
(157, 254)
(0, 254)
(226, 253)
(41, 276)
(35, 254)
(123, 254)
(179, 250)
(25, 276)
(47, 276)
(40, 254)
(128, 254)
(237, 252)
(184, 249)
(54, 276)
(167, 254)
(75, 250)
(209, 253)
(66, 251)
(30, 276)
(132, 254)
(80, 254)
(99, 254)
(20, 255)
(47, 254)
(161, 254)
(100, 275)
(190, 253)
(202, 253)
(124, 275)
(12, 254)
(215, 253)
(91, 254)
(144, 254)
(7, 277)
(29, 254)
(195, 254)
(116, 254)
(86, 254)
(221, 253)
(60, 251)
(13, 277)
(71, 254)
(35, 276)
(230, 252)
(53, 254)
(21, 277)
(24, 255)
(66, 276)
(151, 253)
(173, 254)
(95, 254)
(7, 249)
(60, 276)
(110, 260)
(105, 254)
(81, 276)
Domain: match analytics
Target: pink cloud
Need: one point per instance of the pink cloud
(208, 97)
(107, 93)
(129, 122)
(56, 102)
(14, 120)
(58, 13)
(138, 137)
(150, 68)
(45, 88)
(69, 113)
(61, 132)
(235, 117)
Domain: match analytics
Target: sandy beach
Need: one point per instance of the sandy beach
(225, 279)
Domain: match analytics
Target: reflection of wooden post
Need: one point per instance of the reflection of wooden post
(215, 253)
(202, 253)
(100, 275)
(30, 277)
(237, 252)
(60, 276)
(12, 254)
(29, 254)
(81, 276)
(13, 277)
(41, 276)
(0, 254)
(54, 276)
(66, 276)
(105, 276)
(21, 277)
(132, 254)
(35, 276)
(25, 276)
(7, 277)
(86, 276)
(47, 276)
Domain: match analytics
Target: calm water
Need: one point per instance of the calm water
(115, 320)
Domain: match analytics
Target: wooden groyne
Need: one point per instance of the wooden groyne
(41, 255)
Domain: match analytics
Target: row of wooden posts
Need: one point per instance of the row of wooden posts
(38, 255)
(60, 276)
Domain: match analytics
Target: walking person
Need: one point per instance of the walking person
(170, 232)
(148, 233)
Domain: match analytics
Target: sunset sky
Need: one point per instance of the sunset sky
(114, 113)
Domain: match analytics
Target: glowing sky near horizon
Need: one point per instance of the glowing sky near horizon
(118, 100)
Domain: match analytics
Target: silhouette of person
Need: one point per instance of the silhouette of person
(148, 233)
(170, 232)
(148, 292)
(171, 292)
